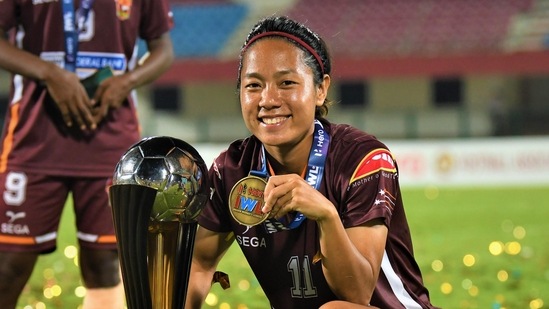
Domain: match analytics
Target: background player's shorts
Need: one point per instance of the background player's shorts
(31, 206)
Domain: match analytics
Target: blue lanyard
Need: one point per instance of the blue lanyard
(313, 173)
(72, 24)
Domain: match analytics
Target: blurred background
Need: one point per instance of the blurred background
(402, 69)
(458, 90)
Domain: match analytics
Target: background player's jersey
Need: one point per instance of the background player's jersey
(34, 137)
(361, 180)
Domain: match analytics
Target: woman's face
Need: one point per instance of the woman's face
(277, 94)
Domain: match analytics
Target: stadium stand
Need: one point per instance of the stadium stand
(371, 27)
(401, 27)
(419, 37)
(212, 24)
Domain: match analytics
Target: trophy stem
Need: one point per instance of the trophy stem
(132, 205)
(169, 263)
(183, 269)
(159, 269)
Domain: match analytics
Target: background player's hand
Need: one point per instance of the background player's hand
(110, 94)
(287, 193)
(71, 98)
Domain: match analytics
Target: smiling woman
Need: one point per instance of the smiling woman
(326, 188)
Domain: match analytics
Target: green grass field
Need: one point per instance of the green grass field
(477, 248)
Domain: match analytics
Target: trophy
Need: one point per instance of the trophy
(159, 189)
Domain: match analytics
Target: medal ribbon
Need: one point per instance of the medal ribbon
(263, 172)
(72, 24)
(313, 174)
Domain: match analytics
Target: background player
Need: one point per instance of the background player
(57, 140)
(337, 235)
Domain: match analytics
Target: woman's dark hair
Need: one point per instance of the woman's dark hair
(316, 51)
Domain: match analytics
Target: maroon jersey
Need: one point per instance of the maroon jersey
(34, 137)
(361, 180)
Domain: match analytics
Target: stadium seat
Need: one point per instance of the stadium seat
(202, 30)
(403, 27)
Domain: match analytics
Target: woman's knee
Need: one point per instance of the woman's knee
(100, 268)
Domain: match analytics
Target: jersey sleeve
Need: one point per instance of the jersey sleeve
(157, 19)
(215, 215)
(372, 186)
(7, 14)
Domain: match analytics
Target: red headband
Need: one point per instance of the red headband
(292, 37)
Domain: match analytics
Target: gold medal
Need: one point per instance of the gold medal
(246, 200)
